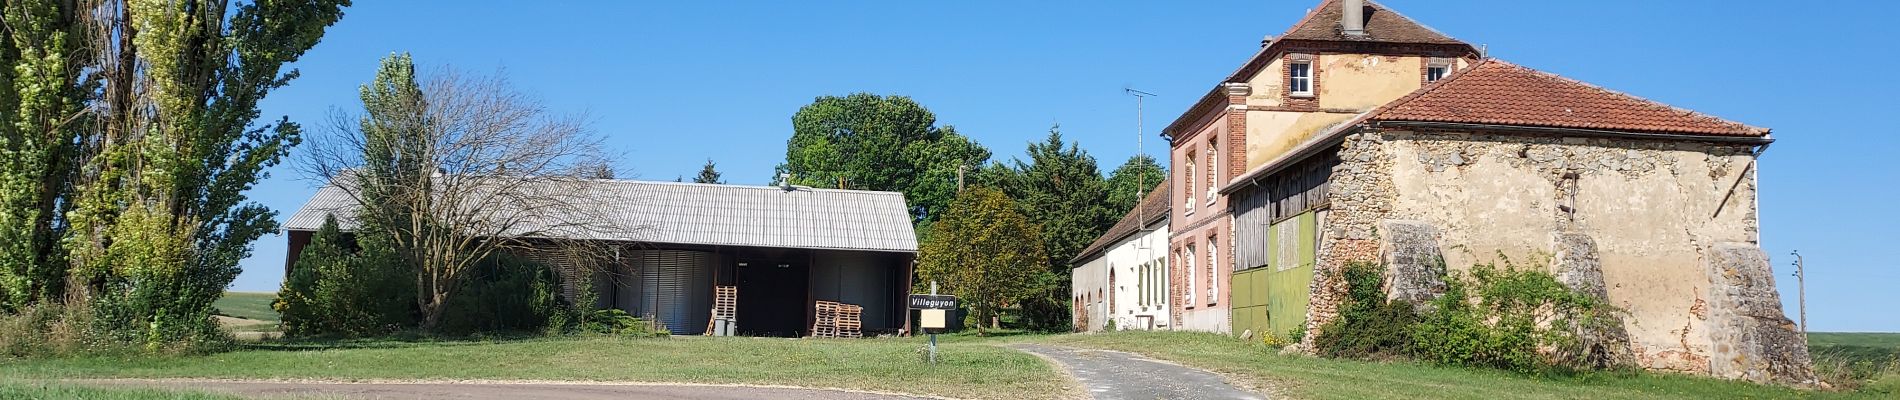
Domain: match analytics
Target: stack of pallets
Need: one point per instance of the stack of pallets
(837, 320)
(725, 308)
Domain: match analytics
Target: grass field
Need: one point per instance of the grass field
(1855, 360)
(967, 370)
(247, 305)
(1316, 379)
(46, 391)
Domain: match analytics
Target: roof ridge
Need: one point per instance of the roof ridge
(1640, 99)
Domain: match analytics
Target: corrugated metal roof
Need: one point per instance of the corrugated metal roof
(706, 214)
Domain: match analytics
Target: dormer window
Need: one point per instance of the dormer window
(1437, 69)
(1300, 77)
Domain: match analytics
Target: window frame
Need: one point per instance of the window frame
(1213, 270)
(1293, 80)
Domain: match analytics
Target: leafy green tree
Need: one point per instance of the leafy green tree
(985, 251)
(1134, 179)
(708, 175)
(1061, 190)
(873, 142)
(41, 104)
(159, 218)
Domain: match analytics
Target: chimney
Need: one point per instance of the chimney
(1352, 18)
(785, 181)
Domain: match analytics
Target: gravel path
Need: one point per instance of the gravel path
(498, 391)
(1110, 375)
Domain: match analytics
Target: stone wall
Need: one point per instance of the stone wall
(1649, 212)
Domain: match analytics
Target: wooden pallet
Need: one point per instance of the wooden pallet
(837, 320)
(725, 306)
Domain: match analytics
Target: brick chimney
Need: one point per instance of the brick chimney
(1352, 18)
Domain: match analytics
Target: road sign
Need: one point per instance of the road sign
(933, 319)
(933, 302)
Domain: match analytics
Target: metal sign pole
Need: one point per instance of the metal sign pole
(933, 334)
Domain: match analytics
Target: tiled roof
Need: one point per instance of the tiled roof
(705, 214)
(1153, 207)
(1500, 93)
(1382, 25)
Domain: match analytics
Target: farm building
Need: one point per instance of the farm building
(782, 248)
(1120, 280)
(1360, 135)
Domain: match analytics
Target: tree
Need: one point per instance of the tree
(41, 110)
(871, 142)
(985, 251)
(708, 175)
(1061, 190)
(459, 170)
(131, 139)
(1134, 179)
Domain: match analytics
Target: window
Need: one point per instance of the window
(1213, 166)
(1436, 68)
(1213, 278)
(1188, 298)
(1189, 193)
(1300, 77)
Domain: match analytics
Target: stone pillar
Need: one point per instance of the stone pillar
(1414, 267)
(1751, 338)
(1574, 262)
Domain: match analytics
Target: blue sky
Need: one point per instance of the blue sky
(671, 84)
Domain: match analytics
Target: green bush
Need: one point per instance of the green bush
(505, 293)
(1368, 326)
(347, 287)
(1518, 319)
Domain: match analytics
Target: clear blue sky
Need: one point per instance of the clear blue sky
(674, 83)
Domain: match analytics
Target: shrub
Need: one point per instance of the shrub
(1508, 318)
(505, 293)
(345, 287)
(1519, 319)
(1368, 326)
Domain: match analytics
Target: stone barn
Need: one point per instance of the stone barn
(1361, 135)
(782, 248)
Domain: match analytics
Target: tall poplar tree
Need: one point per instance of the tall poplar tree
(42, 103)
(127, 139)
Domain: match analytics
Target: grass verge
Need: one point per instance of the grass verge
(1318, 379)
(967, 370)
(52, 391)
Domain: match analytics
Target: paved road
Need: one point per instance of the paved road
(501, 391)
(1112, 375)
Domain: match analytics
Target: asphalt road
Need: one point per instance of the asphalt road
(500, 391)
(1113, 375)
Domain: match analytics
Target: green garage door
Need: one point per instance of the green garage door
(1273, 297)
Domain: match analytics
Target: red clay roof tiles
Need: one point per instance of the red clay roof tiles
(1500, 93)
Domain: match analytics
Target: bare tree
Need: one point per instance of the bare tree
(459, 168)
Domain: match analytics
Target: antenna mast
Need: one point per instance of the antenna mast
(1141, 182)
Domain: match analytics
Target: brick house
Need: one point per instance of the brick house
(1360, 135)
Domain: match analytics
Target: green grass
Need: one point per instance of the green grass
(967, 370)
(1854, 360)
(51, 391)
(1316, 378)
(248, 305)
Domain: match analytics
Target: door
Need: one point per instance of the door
(774, 297)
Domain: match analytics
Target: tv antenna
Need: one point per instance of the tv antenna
(1141, 183)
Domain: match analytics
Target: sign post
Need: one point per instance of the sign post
(934, 309)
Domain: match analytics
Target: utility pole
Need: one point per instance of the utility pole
(960, 168)
(1141, 182)
(1801, 284)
